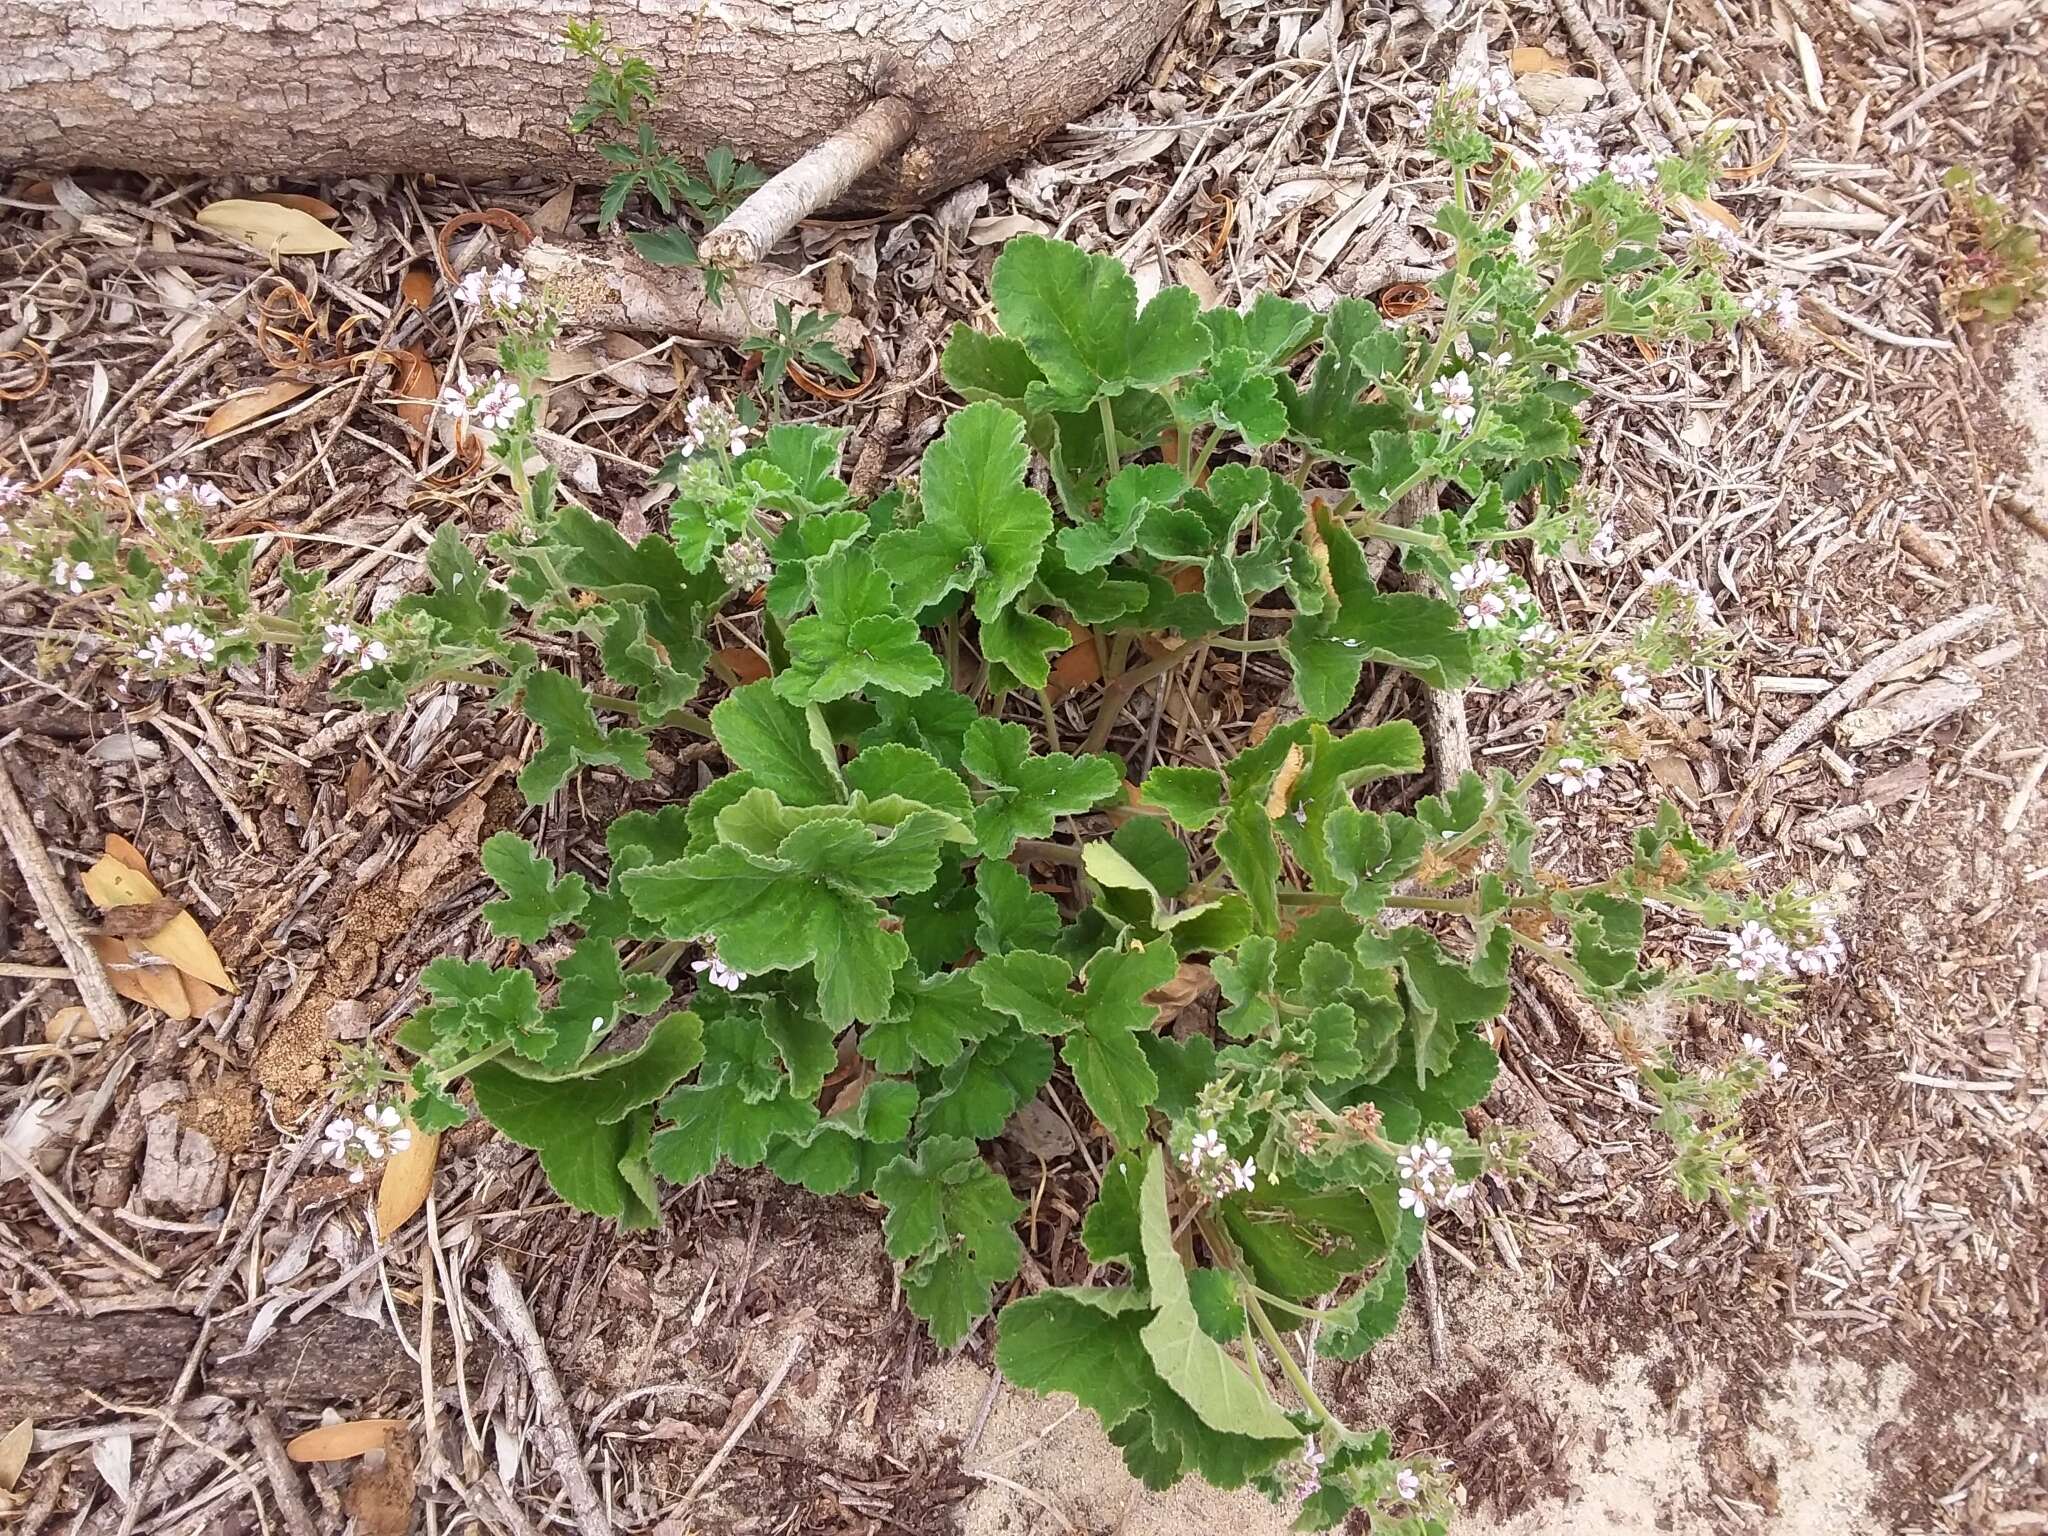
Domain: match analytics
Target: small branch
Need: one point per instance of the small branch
(1432, 1306)
(823, 174)
(284, 1477)
(1853, 687)
(53, 903)
(747, 1420)
(558, 1430)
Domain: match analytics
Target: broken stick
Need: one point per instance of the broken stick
(60, 918)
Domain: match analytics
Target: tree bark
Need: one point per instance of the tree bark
(481, 88)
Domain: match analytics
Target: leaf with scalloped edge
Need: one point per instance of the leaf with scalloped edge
(535, 902)
(951, 1222)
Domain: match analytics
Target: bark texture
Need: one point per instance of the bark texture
(480, 88)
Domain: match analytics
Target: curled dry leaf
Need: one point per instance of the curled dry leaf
(1707, 208)
(1284, 781)
(1397, 300)
(408, 1175)
(344, 1441)
(252, 405)
(114, 882)
(71, 1023)
(272, 228)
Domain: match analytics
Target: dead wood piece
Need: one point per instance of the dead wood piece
(1851, 689)
(557, 1429)
(181, 1168)
(48, 1364)
(606, 287)
(822, 176)
(53, 903)
(1909, 710)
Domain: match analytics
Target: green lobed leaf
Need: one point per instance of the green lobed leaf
(1077, 317)
(1028, 791)
(1193, 797)
(776, 743)
(857, 639)
(951, 1221)
(571, 737)
(535, 902)
(1010, 914)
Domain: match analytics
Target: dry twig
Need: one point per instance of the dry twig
(558, 1430)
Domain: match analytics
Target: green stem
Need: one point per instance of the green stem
(475, 1059)
(1115, 695)
(1109, 436)
(1052, 723)
(1288, 1368)
(1228, 643)
(1370, 527)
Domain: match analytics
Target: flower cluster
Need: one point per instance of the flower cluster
(1226, 1176)
(345, 643)
(1574, 776)
(355, 1144)
(707, 422)
(1308, 1481)
(181, 493)
(1488, 593)
(716, 973)
(1780, 304)
(1757, 1046)
(1684, 586)
(175, 643)
(1570, 153)
(491, 409)
(1493, 93)
(1757, 950)
(1428, 1177)
(1633, 683)
(744, 563)
(499, 291)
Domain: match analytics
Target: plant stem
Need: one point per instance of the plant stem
(1109, 436)
(1118, 692)
(1288, 1368)
(475, 1059)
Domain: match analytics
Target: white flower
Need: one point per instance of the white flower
(1542, 635)
(507, 288)
(491, 409)
(375, 654)
(1711, 232)
(1494, 97)
(1412, 1199)
(1439, 1157)
(1755, 949)
(1454, 398)
(1638, 170)
(178, 491)
(1600, 548)
(337, 1139)
(70, 575)
(1206, 1145)
(1407, 1484)
(1574, 775)
(1485, 611)
(1779, 304)
(389, 1125)
(1312, 1458)
(1243, 1175)
(471, 289)
(1457, 1194)
(716, 973)
(74, 485)
(1414, 1165)
(341, 641)
(13, 492)
(1480, 573)
(164, 601)
(1574, 156)
(1824, 956)
(1634, 684)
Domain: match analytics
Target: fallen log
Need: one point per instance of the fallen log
(482, 88)
(49, 1361)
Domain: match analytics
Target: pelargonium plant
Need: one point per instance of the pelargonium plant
(877, 982)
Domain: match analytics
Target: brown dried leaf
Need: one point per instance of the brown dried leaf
(416, 288)
(252, 405)
(1190, 984)
(71, 1023)
(1537, 61)
(14, 1449)
(325, 212)
(415, 386)
(114, 882)
(1283, 782)
(344, 1441)
(408, 1175)
(1079, 665)
(138, 920)
(744, 662)
(153, 986)
(271, 228)
(120, 848)
(1707, 208)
